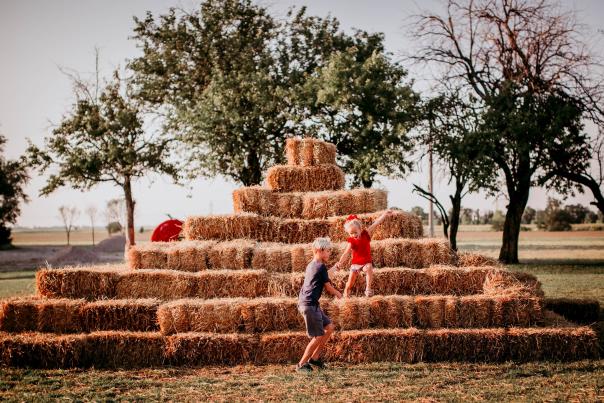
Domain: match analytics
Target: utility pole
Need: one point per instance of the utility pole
(431, 190)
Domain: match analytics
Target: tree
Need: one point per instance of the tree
(529, 215)
(233, 81)
(13, 177)
(68, 216)
(115, 211)
(555, 218)
(419, 211)
(577, 212)
(114, 227)
(523, 59)
(91, 212)
(361, 102)
(103, 139)
(454, 133)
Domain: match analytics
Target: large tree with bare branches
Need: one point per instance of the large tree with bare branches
(526, 61)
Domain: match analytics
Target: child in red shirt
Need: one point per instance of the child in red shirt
(359, 245)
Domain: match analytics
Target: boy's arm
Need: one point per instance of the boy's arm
(343, 258)
(380, 220)
(332, 290)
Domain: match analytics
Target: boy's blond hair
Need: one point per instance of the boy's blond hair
(322, 244)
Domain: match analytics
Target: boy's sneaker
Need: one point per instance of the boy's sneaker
(369, 293)
(304, 368)
(317, 363)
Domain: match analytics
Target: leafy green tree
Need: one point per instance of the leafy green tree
(527, 65)
(453, 134)
(232, 81)
(363, 103)
(102, 139)
(13, 177)
(578, 213)
(497, 220)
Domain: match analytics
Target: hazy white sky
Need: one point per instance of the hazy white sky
(38, 36)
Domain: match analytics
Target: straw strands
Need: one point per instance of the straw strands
(309, 151)
(272, 229)
(77, 316)
(133, 349)
(288, 178)
(170, 285)
(309, 205)
(279, 257)
(261, 315)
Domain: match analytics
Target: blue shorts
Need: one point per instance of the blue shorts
(314, 319)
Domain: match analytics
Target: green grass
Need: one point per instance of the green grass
(17, 283)
(583, 381)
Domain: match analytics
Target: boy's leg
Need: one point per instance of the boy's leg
(310, 349)
(352, 277)
(328, 331)
(368, 269)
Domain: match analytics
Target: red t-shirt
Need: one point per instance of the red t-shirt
(361, 248)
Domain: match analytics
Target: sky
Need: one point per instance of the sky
(37, 37)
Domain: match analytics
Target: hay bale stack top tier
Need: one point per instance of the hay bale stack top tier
(302, 200)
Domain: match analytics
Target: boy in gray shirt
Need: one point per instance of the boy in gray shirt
(318, 326)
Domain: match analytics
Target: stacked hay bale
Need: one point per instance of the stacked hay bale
(227, 294)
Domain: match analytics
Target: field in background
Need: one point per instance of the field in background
(569, 264)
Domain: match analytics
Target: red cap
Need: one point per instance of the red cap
(352, 217)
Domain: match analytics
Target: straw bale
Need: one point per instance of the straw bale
(198, 315)
(236, 254)
(160, 284)
(309, 151)
(269, 314)
(196, 349)
(131, 349)
(579, 310)
(272, 229)
(188, 255)
(308, 205)
(39, 350)
(230, 283)
(475, 311)
(60, 316)
(292, 150)
(111, 349)
(137, 315)
(287, 178)
(430, 311)
(150, 255)
(475, 259)
(281, 348)
(272, 257)
(19, 315)
(90, 282)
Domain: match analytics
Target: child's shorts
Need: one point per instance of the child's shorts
(314, 319)
(357, 267)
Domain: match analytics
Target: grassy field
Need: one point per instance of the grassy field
(568, 265)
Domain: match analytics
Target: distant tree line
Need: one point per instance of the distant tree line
(555, 217)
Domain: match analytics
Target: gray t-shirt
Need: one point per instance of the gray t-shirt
(314, 280)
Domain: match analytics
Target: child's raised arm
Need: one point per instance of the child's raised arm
(377, 222)
(343, 258)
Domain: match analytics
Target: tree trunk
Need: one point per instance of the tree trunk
(67, 237)
(252, 173)
(454, 218)
(589, 183)
(129, 210)
(513, 220)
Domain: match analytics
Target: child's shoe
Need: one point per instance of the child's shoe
(369, 293)
(304, 368)
(317, 363)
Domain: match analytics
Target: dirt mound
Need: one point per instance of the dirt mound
(115, 243)
(74, 255)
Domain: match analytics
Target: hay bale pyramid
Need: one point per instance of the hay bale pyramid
(227, 294)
